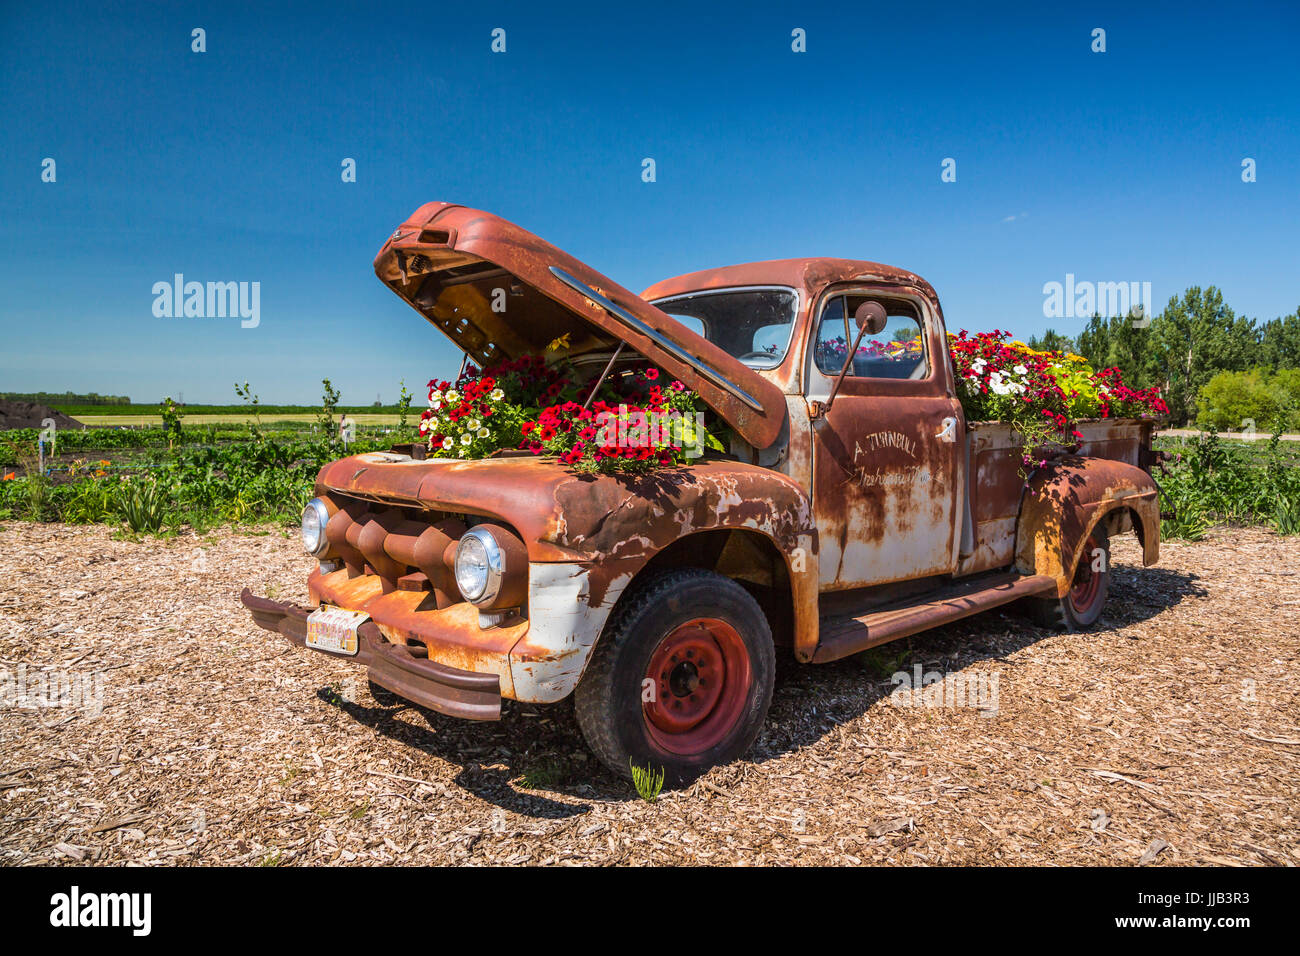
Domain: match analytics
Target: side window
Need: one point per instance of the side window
(694, 323)
(897, 351)
(833, 339)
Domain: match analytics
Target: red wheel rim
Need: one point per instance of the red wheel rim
(701, 678)
(1087, 582)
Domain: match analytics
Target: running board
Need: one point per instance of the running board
(842, 636)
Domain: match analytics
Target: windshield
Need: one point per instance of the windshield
(752, 324)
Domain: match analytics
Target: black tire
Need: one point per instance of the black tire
(671, 607)
(1082, 605)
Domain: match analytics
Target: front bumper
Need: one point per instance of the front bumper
(403, 670)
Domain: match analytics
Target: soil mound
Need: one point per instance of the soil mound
(30, 415)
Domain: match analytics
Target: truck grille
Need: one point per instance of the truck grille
(407, 548)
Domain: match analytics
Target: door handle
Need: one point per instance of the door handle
(948, 433)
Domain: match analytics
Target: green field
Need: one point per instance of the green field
(214, 412)
(236, 470)
(371, 417)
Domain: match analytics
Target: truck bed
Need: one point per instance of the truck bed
(993, 462)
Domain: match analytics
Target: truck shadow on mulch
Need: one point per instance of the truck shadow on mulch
(812, 701)
(512, 763)
(533, 755)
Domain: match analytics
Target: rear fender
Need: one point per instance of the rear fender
(1068, 499)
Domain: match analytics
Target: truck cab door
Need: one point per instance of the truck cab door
(887, 454)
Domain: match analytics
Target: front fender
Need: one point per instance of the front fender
(616, 526)
(1066, 500)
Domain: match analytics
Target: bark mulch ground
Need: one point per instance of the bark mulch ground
(1169, 736)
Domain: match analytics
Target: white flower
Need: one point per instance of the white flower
(978, 363)
(424, 428)
(447, 442)
(483, 433)
(435, 395)
(496, 394)
(471, 423)
(435, 405)
(466, 438)
(452, 396)
(1020, 370)
(999, 387)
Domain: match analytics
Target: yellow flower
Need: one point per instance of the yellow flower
(559, 343)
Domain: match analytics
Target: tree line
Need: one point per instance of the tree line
(1215, 368)
(66, 398)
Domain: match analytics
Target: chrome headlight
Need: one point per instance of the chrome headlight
(479, 566)
(314, 518)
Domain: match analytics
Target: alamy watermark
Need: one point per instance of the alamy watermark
(41, 689)
(641, 429)
(935, 689)
(74, 908)
(1073, 299)
(212, 300)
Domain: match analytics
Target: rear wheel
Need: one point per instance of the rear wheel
(1082, 605)
(681, 680)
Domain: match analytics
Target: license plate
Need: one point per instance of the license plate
(334, 629)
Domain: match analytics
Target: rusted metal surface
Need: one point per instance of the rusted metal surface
(598, 532)
(886, 489)
(996, 488)
(811, 278)
(457, 692)
(1068, 499)
(448, 262)
(887, 499)
(850, 635)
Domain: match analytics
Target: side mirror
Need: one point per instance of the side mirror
(871, 318)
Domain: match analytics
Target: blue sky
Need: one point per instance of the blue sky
(225, 165)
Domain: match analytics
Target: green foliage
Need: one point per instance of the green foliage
(328, 403)
(1286, 516)
(1231, 399)
(884, 661)
(546, 774)
(648, 782)
(61, 399)
(1246, 483)
(403, 408)
(1279, 341)
(87, 502)
(1051, 341)
(1182, 349)
(143, 504)
(253, 404)
(171, 421)
(1193, 339)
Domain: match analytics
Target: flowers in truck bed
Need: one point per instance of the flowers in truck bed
(635, 422)
(1001, 380)
(1040, 394)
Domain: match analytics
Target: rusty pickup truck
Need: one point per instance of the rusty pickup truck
(854, 504)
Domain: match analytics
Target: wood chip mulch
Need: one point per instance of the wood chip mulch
(1169, 736)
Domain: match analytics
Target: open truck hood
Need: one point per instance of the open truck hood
(498, 292)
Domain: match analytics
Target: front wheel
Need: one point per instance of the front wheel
(1082, 605)
(681, 680)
